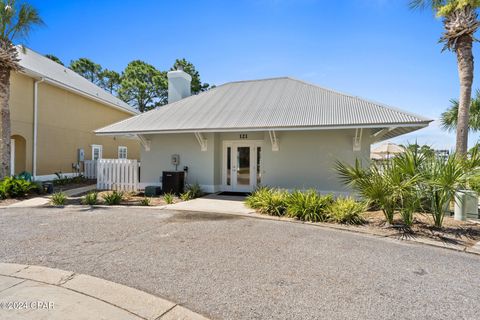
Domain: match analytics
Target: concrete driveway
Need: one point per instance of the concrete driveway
(233, 267)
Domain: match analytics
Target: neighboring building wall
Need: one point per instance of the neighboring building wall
(21, 116)
(306, 159)
(66, 122)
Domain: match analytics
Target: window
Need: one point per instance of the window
(122, 152)
(96, 152)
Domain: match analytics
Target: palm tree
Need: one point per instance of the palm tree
(16, 22)
(460, 20)
(449, 117)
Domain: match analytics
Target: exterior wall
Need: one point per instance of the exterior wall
(306, 159)
(66, 122)
(163, 146)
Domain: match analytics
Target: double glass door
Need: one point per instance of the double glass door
(242, 166)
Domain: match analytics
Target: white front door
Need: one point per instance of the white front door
(241, 166)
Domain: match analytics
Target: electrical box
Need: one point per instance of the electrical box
(175, 159)
(80, 155)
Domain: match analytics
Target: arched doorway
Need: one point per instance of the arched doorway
(19, 154)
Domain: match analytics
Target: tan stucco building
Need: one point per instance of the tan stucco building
(54, 112)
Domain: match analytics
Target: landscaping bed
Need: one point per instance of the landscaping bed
(464, 233)
(73, 185)
(119, 198)
(350, 214)
(127, 199)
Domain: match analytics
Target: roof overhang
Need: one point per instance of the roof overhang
(396, 129)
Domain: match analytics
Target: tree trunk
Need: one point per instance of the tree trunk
(5, 129)
(464, 53)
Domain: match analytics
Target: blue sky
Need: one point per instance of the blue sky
(376, 49)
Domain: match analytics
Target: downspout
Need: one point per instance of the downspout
(35, 126)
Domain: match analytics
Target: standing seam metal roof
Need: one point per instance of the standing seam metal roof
(265, 104)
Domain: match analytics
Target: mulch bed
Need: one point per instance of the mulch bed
(70, 186)
(464, 233)
(130, 199)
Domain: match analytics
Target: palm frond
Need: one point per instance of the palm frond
(448, 119)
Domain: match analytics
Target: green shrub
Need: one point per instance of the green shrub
(268, 201)
(59, 199)
(168, 197)
(3, 192)
(275, 203)
(91, 198)
(193, 191)
(145, 202)
(308, 206)
(12, 187)
(255, 200)
(62, 180)
(347, 210)
(113, 198)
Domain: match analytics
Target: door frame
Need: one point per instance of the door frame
(233, 144)
(12, 157)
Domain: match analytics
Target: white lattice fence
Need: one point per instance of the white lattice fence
(90, 169)
(117, 174)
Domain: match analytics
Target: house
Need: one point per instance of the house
(278, 132)
(54, 112)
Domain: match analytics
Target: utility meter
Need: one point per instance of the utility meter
(80, 155)
(175, 159)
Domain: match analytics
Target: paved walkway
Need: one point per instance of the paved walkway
(34, 292)
(41, 201)
(213, 203)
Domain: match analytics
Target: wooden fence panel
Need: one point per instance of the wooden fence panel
(90, 169)
(118, 174)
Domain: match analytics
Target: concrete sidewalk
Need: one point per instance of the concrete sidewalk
(213, 203)
(34, 292)
(41, 201)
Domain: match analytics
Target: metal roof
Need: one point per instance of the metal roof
(37, 65)
(269, 104)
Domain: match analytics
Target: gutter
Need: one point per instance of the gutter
(35, 125)
(418, 125)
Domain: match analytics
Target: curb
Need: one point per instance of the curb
(136, 302)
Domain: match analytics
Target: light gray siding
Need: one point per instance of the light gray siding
(305, 160)
(158, 159)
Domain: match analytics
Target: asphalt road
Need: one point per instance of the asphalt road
(230, 267)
